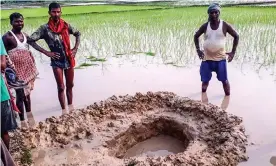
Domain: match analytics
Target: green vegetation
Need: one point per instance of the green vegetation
(26, 157)
(94, 59)
(168, 33)
(69, 10)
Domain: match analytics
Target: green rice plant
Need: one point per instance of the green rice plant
(167, 34)
(73, 10)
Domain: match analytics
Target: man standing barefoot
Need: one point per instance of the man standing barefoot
(56, 34)
(22, 61)
(214, 55)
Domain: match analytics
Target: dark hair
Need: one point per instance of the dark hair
(53, 5)
(14, 16)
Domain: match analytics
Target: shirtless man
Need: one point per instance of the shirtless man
(214, 55)
(21, 60)
(56, 34)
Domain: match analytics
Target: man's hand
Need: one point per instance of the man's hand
(230, 56)
(53, 55)
(200, 54)
(74, 52)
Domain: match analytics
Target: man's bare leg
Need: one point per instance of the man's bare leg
(204, 86)
(226, 87)
(20, 105)
(69, 77)
(58, 73)
(27, 103)
(6, 139)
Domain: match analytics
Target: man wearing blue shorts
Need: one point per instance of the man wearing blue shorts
(214, 55)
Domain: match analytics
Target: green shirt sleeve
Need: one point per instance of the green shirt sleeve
(4, 91)
(3, 50)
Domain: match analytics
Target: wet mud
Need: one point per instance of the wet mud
(104, 133)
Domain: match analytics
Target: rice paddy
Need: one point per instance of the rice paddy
(166, 34)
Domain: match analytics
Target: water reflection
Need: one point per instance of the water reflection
(224, 104)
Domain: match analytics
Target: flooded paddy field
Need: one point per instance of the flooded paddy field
(142, 51)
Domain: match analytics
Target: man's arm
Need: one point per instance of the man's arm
(3, 56)
(8, 61)
(77, 34)
(3, 63)
(198, 33)
(36, 46)
(39, 34)
(235, 35)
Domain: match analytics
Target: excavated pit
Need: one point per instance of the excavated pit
(104, 134)
(149, 128)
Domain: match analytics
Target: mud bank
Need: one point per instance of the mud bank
(102, 133)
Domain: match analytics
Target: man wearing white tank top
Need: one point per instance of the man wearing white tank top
(214, 55)
(22, 61)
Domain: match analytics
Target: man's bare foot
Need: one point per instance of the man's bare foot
(31, 119)
(24, 124)
(71, 108)
(64, 111)
(204, 98)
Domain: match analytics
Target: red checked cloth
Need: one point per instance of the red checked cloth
(24, 64)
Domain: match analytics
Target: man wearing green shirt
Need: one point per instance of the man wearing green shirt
(8, 121)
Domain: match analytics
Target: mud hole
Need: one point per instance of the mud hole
(103, 133)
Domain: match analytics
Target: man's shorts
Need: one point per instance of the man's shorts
(207, 67)
(8, 122)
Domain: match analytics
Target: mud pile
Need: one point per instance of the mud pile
(210, 136)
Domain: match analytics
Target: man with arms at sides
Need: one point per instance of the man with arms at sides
(22, 61)
(8, 122)
(56, 34)
(214, 55)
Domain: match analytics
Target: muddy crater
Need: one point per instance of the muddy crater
(150, 128)
(110, 131)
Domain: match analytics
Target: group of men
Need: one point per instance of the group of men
(15, 54)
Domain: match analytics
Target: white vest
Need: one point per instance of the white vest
(20, 45)
(214, 43)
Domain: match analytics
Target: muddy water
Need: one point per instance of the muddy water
(156, 146)
(252, 98)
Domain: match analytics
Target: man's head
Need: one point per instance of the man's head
(17, 21)
(55, 11)
(214, 11)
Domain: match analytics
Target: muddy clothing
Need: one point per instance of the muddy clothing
(55, 43)
(214, 43)
(6, 158)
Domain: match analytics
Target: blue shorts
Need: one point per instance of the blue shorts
(59, 64)
(207, 67)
